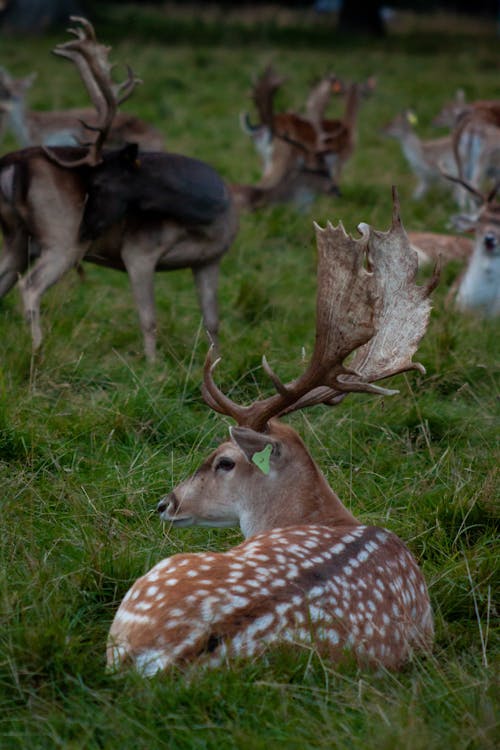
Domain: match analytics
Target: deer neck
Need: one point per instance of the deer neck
(412, 148)
(308, 500)
(19, 125)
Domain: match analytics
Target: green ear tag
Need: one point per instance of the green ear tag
(262, 459)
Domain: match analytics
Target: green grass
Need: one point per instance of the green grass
(90, 443)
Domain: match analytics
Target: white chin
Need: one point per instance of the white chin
(179, 522)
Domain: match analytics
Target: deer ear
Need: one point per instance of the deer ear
(258, 448)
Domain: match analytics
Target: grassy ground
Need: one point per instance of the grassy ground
(89, 446)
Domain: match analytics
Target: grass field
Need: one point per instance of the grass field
(91, 442)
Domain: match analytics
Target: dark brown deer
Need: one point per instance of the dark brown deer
(308, 571)
(65, 127)
(139, 213)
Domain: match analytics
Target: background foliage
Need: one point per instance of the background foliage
(91, 437)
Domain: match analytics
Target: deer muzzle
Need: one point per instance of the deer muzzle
(168, 509)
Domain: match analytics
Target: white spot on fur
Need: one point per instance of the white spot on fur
(126, 616)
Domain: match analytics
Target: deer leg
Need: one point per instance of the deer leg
(207, 281)
(14, 259)
(48, 269)
(141, 270)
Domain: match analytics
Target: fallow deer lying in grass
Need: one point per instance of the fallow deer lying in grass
(308, 571)
(432, 247)
(477, 289)
(65, 127)
(159, 211)
(301, 156)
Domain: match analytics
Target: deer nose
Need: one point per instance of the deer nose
(490, 241)
(168, 503)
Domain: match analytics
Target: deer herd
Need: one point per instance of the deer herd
(99, 185)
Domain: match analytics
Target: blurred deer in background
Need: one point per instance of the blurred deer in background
(286, 144)
(433, 247)
(301, 155)
(423, 156)
(308, 571)
(450, 111)
(478, 287)
(475, 135)
(161, 211)
(66, 127)
(476, 145)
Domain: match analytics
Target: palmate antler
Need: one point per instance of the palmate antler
(376, 311)
(263, 93)
(319, 97)
(91, 60)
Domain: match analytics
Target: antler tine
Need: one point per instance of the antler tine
(212, 395)
(127, 86)
(86, 31)
(493, 192)
(460, 181)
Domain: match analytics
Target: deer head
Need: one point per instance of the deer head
(401, 125)
(368, 306)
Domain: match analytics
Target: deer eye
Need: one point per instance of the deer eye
(224, 464)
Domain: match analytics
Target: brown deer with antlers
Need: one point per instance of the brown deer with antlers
(301, 155)
(66, 127)
(308, 572)
(139, 213)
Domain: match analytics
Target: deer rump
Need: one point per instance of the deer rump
(152, 185)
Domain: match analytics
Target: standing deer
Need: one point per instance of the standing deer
(66, 127)
(423, 156)
(139, 213)
(308, 571)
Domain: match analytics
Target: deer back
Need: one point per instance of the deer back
(356, 589)
(161, 185)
